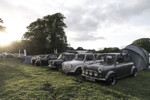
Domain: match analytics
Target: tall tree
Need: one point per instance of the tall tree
(2, 28)
(47, 34)
(143, 42)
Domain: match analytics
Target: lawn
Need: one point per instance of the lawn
(21, 81)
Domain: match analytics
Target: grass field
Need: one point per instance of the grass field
(20, 81)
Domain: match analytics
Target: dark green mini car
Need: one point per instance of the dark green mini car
(110, 68)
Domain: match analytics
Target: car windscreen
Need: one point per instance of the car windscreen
(51, 56)
(47, 56)
(68, 57)
(108, 59)
(79, 57)
(62, 56)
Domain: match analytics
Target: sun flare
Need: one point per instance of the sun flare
(5, 39)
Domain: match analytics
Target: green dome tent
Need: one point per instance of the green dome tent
(139, 56)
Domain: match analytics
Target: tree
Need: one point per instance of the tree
(2, 28)
(47, 34)
(80, 48)
(143, 42)
(70, 48)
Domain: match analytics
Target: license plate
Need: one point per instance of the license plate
(90, 79)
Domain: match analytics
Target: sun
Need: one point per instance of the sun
(5, 39)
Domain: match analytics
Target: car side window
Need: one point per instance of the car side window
(127, 58)
(98, 57)
(69, 57)
(120, 60)
(89, 57)
(72, 57)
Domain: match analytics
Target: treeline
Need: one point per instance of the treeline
(46, 35)
(26, 44)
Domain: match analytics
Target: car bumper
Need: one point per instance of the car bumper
(93, 78)
(65, 71)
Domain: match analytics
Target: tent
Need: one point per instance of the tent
(26, 59)
(139, 56)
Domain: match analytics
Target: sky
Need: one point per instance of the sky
(91, 24)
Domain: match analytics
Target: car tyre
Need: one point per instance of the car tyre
(134, 73)
(111, 80)
(40, 64)
(83, 77)
(78, 71)
(59, 68)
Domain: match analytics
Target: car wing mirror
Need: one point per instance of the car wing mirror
(116, 63)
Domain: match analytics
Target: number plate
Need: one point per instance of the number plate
(90, 79)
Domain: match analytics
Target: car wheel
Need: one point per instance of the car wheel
(37, 64)
(111, 80)
(78, 71)
(40, 64)
(32, 63)
(59, 68)
(134, 73)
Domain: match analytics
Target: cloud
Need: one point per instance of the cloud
(104, 13)
(88, 37)
(87, 20)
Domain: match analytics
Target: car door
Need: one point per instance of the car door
(129, 64)
(120, 66)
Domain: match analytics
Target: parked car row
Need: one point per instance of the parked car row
(106, 67)
(42, 60)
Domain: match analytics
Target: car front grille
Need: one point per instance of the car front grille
(65, 67)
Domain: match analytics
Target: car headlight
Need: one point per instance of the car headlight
(95, 74)
(83, 68)
(83, 71)
(90, 73)
(86, 72)
(62, 64)
(100, 70)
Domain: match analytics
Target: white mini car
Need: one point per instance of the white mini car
(75, 65)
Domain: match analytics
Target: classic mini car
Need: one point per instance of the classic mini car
(57, 64)
(34, 58)
(74, 66)
(110, 68)
(44, 61)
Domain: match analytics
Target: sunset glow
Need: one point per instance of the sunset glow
(5, 39)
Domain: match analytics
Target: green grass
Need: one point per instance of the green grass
(20, 81)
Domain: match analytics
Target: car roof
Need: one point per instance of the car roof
(112, 54)
(85, 54)
(67, 53)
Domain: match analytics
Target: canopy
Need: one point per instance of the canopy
(139, 56)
